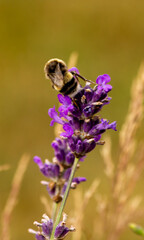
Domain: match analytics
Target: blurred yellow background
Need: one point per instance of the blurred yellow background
(109, 38)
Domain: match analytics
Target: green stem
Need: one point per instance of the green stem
(64, 197)
(54, 210)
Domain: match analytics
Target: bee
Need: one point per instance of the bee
(62, 80)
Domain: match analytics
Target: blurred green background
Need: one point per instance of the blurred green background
(109, 38)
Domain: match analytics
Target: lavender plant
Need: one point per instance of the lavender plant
(82, 131)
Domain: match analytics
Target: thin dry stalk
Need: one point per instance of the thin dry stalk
(107, 157)
(127, 134)
(81, 203)
(128, 212)
(139, 167)
(13, 196)
(72, 62)
(4, 167)
(120, 210)
(47, 207)
(103, 210)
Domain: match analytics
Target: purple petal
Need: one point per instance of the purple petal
(64, 110)
(69, 131)
(87, 111)
(75, 122)
(55, 146)
(82, 159)
(60, 155)
(56, 170)
(87, 125)
(97, 138)
(51, 191)
(112, 126)
(38, 161)
(103, 125)
(67, 174)
(102, 81)
(99, 79)
(79, 179)
(39, 237)
(64, 233)
(75, 111)
(94, 131)
(53, 114)
(50, 170)
(59, 229)
(74, 69)
(47, 227)
(89, 145)
(107, 87)
(72, 143)
(79, 147)
(89, 94)
(65, 100)
(105, 78)
(70, 158)
(63, 189)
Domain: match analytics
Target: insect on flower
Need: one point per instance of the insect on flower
(63, 80)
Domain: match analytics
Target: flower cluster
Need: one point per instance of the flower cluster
(59, 171)
(83, 128)
(79, 116)
(46, 227)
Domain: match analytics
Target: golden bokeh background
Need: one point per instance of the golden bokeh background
(109, 38)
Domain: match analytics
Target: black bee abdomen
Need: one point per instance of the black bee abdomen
(69, 87)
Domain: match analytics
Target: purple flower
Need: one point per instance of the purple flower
(59, 171)
(105, 125)
(39, 237)
(46, 227)
(78, 180)
(66, 105)
(74, 69)
(61, 231)
(68, 130)
(75, 182)
(53, 114)
(63, 153)
(48, 169)
(102, 81)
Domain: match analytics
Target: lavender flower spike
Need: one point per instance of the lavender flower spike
(83, 128)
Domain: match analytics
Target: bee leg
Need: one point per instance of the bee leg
(78, 75)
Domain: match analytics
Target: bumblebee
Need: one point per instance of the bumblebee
(62, 80)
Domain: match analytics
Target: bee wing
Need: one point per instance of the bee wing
(57, 78)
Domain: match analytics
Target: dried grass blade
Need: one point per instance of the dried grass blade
(107, 157)
(81, 203)
(4, 167)
(72, 62)
(12, 198)
(133, 119)
(46, 204)
(127, 134)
